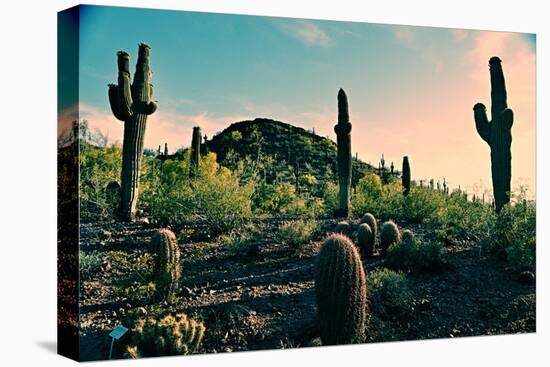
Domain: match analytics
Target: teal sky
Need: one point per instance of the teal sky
(411, 89)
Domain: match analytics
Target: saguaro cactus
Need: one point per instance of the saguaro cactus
(132, 104)
(341, 290)
(343, 140)
(406, 176)
(195, 151)
(497, 133)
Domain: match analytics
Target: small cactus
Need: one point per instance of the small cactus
(166, 274)
(365, 239)
(343, 140)
(341, 292)
(406, 176)
(373, 224)
(389, 234)
(407, 236)
(171, 335)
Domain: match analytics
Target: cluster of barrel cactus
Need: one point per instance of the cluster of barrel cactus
(166, 274)
(341, 292)
(170, 335)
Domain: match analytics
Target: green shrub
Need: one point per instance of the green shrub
(242, 243)
(415, 255)
(215, 196)
(389, 293)
(514, 235)
(296, 234)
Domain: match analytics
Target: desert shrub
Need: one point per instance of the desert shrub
(99, 166)
(389, 293)
(422, 205)
(415, 255)
(89, 264)
(169, 335)
(242, 243)
(215, 196)
(296, 234)
(514, 234)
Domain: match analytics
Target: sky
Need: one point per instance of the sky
(410, 89)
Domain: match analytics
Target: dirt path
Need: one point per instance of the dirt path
(268, 301)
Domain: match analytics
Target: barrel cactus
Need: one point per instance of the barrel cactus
(407, 236)
(365, 239)
(195, 151)
(343, 227)
(131, 102)
(343, 140)
(166, 274)
(389, 234)
(170, 335)
(372, 222)
(406, 176)
(497, 133)
(341, 292)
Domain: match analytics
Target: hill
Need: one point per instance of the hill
(292, 149)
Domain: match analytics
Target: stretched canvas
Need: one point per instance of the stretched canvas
(231, 183)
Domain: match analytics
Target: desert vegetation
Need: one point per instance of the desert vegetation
(269, 236)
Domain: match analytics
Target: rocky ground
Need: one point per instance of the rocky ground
(266, 299)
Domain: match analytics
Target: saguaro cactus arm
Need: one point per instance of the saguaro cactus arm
(483, 126)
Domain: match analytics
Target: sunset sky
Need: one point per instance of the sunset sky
(411, 89)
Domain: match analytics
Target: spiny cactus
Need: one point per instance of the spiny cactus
(497, 133)
(406, 176)
(166, 274)
(171, 335)
(132, 104)
(407, 236)
(389, 234)
(372, 222)
(341, 292)
(195, 151)
(365, 238)
(343, 139)
(343, 227)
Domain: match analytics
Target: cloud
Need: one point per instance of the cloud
(405, 34)
(306, 31)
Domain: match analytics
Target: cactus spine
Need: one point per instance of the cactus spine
(343, 140)
(497, 133)
(341, 292)
(170, 335)
(132, 104)
(406, 176)
(195, 151)
(166, 274)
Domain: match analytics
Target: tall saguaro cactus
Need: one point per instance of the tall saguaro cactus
(131, 102)
(195, 151)
(343, 140)
(406, 176)
(497, 133)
